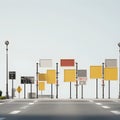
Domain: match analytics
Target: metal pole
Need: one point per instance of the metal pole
(96, 88)
(31, 89)
(70, 91)
(103, 80)
(76, 80)
(119, 70)
(7, 43)
(57, 80)
(24, 91)
(81, 91)
(51, 91)
(12, 88)
(36, 80)
(108, 89)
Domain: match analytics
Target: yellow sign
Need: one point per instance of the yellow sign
(51, 76)
(95, 72)
(42, 77)
(69, 75)
(19, 89)
(41, 86)
(110, 74)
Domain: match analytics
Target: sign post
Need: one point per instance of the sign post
(12, 76)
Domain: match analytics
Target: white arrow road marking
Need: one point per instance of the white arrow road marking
(98, 103)
(106, 107)
(14, 112)
(116, 112)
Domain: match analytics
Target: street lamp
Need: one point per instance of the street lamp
(7, 43)
(119, 69)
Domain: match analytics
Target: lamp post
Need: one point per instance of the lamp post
(119, 70)
(7, 43)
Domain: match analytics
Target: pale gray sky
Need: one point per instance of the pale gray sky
(87, 30)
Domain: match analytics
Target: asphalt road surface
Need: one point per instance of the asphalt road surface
(36, 109)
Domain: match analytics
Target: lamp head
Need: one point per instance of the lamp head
(7, 42)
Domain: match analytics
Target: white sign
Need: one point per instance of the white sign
(45, 63)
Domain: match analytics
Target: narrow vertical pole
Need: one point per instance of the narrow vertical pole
(12, 88)
(31, 90)
(76, 80)
(103, 85)
(81, 91)
(57, 80)
(70, 91)
(51, 91)
(108, 89)
(96, 88)
(24, 91)
(36, 80)
(119, 71)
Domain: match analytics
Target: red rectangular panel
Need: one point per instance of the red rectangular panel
(67, 62)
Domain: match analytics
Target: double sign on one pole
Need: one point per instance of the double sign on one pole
(12, 76)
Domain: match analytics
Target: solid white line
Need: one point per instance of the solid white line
(98, 103)
(14, 112)
(106, 107)
(116, 112)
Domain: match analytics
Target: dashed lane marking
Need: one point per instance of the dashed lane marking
(116, 112)
(106, 107)
(31, 103)
(15, 112)
(98, 103)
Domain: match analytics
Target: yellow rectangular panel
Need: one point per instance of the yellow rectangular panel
(70, 75)
(110, 74)
(95, 72)
(41, 86)
(42, 77)
(51, 76)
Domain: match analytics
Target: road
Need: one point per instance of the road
(36, 109)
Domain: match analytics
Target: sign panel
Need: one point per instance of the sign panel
(69, 75)
(45, 63)
(95, 72)
(82, 82)
(67, 62)
(82, 73)
(41, 86)
(51, 76)
(19, 89)
(27, 80)
(42, 76)
(111, 63)
(110, 74)
(12, 75)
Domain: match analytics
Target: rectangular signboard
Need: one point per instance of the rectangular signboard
(82, 73)
(27, 80)
(111, 63)
(51, 76)
(45, 63)
(12, 75)
(67, 62)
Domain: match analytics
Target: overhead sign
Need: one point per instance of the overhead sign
(111, 63)
(45, 63)
(67, 62)
(12, 75)
(27, 80)
(19, 89)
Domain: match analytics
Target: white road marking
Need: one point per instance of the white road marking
(35, 101)
(1, 103)
(106, 107)
(91, 101)
(98, 103)
(2, 118)
(116, 112)
(14, 112)
(24, 107)
(31, 103)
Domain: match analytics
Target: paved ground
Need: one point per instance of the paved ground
(60, 109)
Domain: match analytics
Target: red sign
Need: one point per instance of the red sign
(67, 62)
